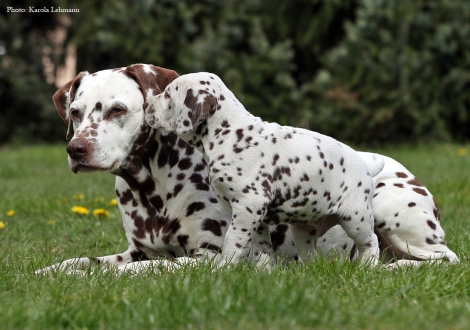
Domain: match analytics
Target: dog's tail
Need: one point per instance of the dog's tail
(374, 161)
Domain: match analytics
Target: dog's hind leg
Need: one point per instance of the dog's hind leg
(304, 239)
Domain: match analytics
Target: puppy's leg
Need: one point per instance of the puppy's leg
(357, 220)
(365, 239)
(261, 249)
(239, 236)
(304, 239)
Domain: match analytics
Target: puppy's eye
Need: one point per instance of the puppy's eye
(117, 111)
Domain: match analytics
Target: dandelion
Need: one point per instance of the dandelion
(11, 213)
(2, 225)
(463, 151)
(51, 222)
(113, 202)
(78, 197)
(80, 210)
(101, 213)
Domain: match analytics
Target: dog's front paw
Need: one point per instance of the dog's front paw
(60, 271)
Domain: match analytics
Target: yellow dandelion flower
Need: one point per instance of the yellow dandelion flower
(51, 222)
(113, 202)
(11, 213)
(80, 210)
(78, 197)
(463, 151)
(2, 225)
(100, 213)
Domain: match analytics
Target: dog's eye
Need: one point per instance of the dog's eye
(75, 114)
(115, 112)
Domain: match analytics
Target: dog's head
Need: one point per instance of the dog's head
(105, 109)
(186, 103)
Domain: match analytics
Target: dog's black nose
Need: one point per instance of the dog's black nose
(77, 148)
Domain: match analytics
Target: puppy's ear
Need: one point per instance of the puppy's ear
(64, 96)
(200, 108)
(152, 79)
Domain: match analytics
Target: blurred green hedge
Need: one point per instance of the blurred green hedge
(364, 71)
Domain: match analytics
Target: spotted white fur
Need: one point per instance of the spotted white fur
(168, 208)
(406, 219)
(125, 83)
(269, 174)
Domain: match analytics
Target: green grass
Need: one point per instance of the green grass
(36, 183)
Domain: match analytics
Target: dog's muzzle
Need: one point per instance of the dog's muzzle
(79, 150)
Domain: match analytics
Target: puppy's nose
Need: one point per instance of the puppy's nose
(77, 148)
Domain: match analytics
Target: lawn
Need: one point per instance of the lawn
(38, 191)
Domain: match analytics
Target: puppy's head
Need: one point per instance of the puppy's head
(105, 109)
(186, 103)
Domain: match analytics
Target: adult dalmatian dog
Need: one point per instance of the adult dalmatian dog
(144, 157)
(406, 220)
(168, 207)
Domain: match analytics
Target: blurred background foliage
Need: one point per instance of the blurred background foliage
(363, 71)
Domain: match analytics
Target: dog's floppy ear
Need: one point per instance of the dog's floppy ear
(152, 79)
(201, 107)
(64, 96)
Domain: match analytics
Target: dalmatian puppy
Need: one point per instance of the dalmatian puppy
(269, 174)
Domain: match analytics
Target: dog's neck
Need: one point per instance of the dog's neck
(220, 129)
(160, 152)
(137, 163)
(151, 147)
(196, 137)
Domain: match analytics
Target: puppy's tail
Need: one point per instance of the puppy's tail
(374, 161)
